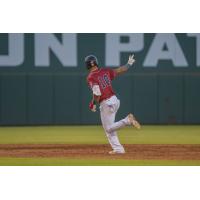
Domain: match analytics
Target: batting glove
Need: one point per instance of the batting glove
(131, 60)
(92, 106)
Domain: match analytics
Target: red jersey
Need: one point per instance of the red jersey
(103, 78)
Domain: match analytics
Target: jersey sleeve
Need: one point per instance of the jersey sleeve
(112, 73)
(91, 82)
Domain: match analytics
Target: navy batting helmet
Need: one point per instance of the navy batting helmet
(91, 61)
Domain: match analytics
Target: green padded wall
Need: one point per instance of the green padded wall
(40, 99)
(67, 99)
(170, 91)
(57, 94)
(13, 99)
(192, 99)
(146, 98)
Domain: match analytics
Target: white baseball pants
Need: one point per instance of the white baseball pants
(108, 110)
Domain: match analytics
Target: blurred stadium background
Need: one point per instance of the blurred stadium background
(43, 78)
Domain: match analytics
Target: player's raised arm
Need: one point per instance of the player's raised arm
(124, 68)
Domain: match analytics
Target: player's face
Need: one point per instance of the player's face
(93, 66)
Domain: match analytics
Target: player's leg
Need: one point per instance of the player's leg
(108, 118)
(127, 121)
(114, 103)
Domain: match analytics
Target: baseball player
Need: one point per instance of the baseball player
(100, 83)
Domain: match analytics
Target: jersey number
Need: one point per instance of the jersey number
(104, 81)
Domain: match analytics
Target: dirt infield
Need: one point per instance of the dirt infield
(134, 151)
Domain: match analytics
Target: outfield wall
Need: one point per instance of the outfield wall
(40, 85)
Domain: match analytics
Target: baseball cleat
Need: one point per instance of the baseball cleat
(132, 120)
(116, 152)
